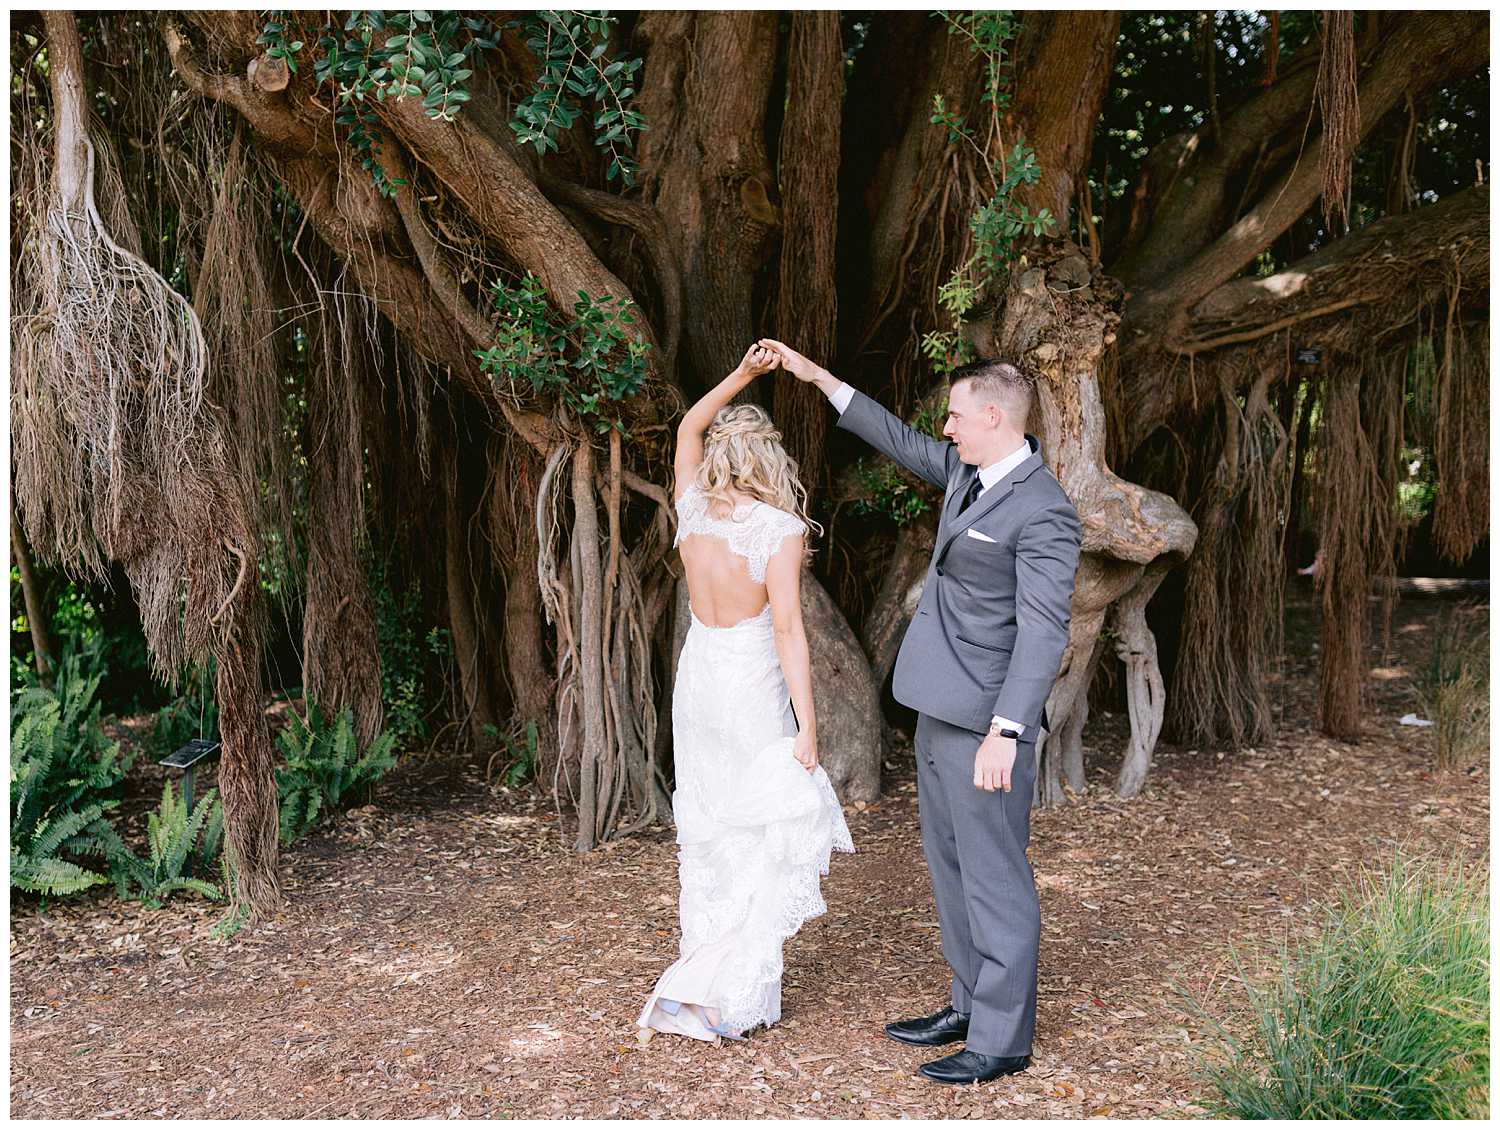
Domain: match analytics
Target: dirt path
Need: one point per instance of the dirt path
(448, 954)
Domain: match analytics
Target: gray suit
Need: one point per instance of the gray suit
(987, 638)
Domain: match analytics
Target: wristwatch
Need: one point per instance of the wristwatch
(1003, 731)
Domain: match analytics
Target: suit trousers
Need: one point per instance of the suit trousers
(975, 843)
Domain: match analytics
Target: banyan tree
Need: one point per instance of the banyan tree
(504, 251)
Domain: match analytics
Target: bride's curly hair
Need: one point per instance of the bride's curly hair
(742, 452)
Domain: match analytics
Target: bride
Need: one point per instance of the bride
(756, 815)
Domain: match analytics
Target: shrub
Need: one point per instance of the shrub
(324, 767)
(65, 774)
(1385, 1016)
(518, 755)
(47, 823)
(172, 834)
(1453, 690)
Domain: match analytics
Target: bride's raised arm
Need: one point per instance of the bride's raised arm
(695, 421)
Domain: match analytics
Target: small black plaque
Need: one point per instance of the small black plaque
(189, 755)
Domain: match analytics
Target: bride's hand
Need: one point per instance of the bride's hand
(806, 750)
(757, 360)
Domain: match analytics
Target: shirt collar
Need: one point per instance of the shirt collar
(989, 476)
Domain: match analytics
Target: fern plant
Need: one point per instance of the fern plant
(323, 766)
(63, 774)
(42, 833)
(172, 834)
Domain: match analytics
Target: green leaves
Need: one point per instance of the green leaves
(571, 47)
(273, 36)
(426, 55)
(597, 357)
(888, 490)
(324, 766)
(172, 847)
(999, 224)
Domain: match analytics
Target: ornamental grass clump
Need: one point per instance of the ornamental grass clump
(1385, 1015)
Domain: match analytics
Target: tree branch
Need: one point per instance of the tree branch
(1361, 288)
(1424, 52)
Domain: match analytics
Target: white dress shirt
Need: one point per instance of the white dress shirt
(988, 476)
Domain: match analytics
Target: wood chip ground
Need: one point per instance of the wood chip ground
(446, 953)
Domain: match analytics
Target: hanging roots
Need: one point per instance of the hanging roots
(1349, 491)
(1235, 587)
(1462, 513)
(604, 626)
(1338, 103)
(111, 440)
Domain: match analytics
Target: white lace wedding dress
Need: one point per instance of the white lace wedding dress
(755, 829)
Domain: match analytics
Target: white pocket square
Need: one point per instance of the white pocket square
(973, 533)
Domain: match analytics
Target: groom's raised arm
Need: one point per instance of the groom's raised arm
(931, 459)
(919, 453)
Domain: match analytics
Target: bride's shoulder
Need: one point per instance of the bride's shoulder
(783, 520)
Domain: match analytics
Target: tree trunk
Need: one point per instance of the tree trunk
(807, 304)
(464, 617)
(707, 82)
(1344, 578)
(1058, 322)
(586, 581)
(44, 645)
(532, 682)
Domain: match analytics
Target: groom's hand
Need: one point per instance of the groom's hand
(993, 763)
(796, 364)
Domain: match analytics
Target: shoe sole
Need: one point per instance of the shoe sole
(926, 1043)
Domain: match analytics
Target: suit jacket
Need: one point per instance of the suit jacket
(991, 625)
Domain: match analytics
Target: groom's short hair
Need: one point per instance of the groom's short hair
(999, 383)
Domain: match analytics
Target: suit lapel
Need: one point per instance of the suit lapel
(957, 523)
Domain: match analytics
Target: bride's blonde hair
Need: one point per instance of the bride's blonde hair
(742, 451)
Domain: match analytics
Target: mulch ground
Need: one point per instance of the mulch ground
(447, 953)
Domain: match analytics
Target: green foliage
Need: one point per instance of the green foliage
(571, 47)
(276, 43)
(84, 764)
(395, 55)
(1385, 1016)
(172, 835)
(597, 357)
(885, 488)
(64, 776)
(999, 223)
(518, 755)
(405, 650)
(324, 767)
(45, 827)
(888, 490)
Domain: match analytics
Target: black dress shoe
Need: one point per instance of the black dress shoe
(974, 1067)
(945, 1027)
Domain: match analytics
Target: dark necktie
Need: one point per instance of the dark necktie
(975, 486)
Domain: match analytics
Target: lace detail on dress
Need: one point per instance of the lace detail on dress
(754, 531)
(755, 830)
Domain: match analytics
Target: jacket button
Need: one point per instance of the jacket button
(939, 572)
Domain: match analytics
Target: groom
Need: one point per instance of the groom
(977, 663)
